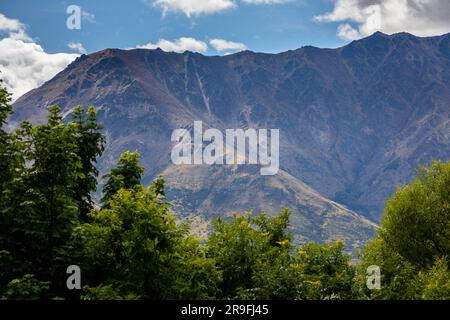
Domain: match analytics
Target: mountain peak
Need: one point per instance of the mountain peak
(379, 33)
(384, 36)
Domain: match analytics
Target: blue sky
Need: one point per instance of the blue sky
(122, 24)
(35, 43)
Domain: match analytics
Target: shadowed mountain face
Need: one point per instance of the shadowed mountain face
(354, 122)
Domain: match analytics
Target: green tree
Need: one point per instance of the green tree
(397, 274)
(27, 288)
(242, 245)
(126, 175)
(5, 106)
(134, 248)
(414, 234)
(276, 277)
(416, 219)
(40, 200)
(195, 276)
(90, 145)
(55, 169)
(436, 281)
(313, 272)
(12, 166)
(326, 271)
(5, 111)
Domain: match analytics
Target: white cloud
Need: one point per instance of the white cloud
(347, 32)
(361, 18)
(190, 44)
(87, 16)
(224, 45)
(77, 46)
(13, 27)
(266, 1)
(201, 7)
(194, 7)
(24, 65)
(178, 45)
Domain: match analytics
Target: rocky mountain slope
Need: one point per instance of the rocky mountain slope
(354, 122)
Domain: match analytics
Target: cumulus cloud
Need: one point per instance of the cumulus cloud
(179, 45)
(191, 44)
(224, 45)
(77, 46)
(266, 1)
(7, 24)
(194, 7)
(24, 64)
(13, 27)
(360, 18)
(202, 7)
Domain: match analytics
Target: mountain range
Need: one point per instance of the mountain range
(355, 122)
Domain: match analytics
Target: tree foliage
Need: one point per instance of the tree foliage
(416, 220)
(133, 247)
(39, 199)
(90, 145)
(126, 175)
(413, 243)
